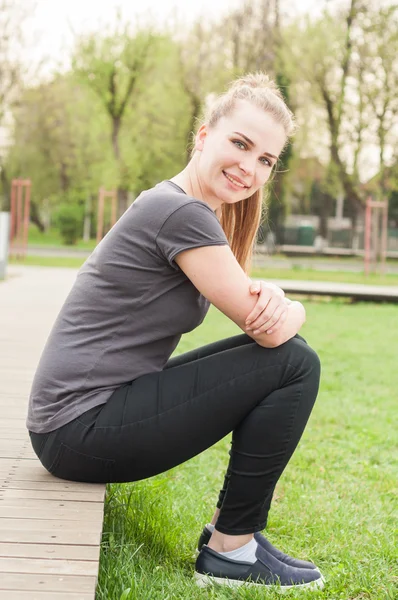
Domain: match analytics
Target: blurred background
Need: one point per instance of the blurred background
(106, 94)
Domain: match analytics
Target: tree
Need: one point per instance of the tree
(201, 69)
(334, 63)
(13, 13)
(60, 135)
(252, 40)
(378, 75)
(112, 65)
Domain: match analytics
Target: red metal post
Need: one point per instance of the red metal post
(19, 217)
(368, 225)
(103, 194)
(26, 216)
(384, 236)
(13, 206)
(100, 214)
(114, 205)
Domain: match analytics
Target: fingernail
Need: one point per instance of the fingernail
(269, 331)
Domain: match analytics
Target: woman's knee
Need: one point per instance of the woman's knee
(302, 354)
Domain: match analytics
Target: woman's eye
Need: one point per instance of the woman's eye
(240, 144)
(266, 161)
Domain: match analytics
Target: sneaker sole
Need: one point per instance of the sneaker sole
(203, 580)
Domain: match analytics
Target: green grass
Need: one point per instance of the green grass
(53, 238)
(49, 261)
(295, 273)
(314, 275)
(336, 503)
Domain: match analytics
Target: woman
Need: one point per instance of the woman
(107, 403)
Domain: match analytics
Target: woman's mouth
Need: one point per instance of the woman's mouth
(235, 182)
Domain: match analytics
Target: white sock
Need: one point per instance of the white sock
(246, 553)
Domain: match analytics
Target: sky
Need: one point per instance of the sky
(50, 29)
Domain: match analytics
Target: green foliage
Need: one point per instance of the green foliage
(69, 218)
(121, 117)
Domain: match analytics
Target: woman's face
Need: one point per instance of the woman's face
(237, 154)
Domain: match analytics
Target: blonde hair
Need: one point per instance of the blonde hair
(241, 220)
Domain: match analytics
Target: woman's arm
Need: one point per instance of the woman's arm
(217, 275)
(292, 325)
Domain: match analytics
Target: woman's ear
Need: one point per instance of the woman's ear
(200, 137)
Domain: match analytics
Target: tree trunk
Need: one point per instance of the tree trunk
(122, 193)
(116, 122)
(35, 217)
(63, 177)
(122, 200)
(324, 214)
(196, 105)
(5, 201)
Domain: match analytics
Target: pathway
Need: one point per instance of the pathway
(50, 529)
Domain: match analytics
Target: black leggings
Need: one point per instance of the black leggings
(264, 396)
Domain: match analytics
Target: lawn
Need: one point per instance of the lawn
(295, 273)
(336, 503)
(52, 238)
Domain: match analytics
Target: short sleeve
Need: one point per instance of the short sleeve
(189, 226)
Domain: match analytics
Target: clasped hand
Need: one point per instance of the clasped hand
(271, 309)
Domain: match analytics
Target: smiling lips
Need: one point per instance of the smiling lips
(235, 180)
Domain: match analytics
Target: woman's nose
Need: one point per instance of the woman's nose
(247, 167)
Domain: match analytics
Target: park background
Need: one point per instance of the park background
(116, 109)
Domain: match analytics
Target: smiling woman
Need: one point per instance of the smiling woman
(108, 404)
(236, 149)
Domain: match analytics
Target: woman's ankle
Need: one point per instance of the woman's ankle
(215, 517)
(221, 542)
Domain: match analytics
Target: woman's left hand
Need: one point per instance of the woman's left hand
(271, 309)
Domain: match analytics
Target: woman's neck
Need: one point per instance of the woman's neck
(189, 181)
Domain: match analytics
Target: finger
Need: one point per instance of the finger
(261, 305)
(254, 288)
(273, 322)
(267, 313)
(278, 324)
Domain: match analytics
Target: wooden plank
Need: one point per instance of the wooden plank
(21, 433)
(48, 583)
(20, 463)
(62, 493)
(22, 442)
(25, 473)
(15, 412)
(60, 551)
(95, 508)
(53, 484)
(25, 595)
(43, 512)
(14, 451)
(14, 423)
(48, 566)
(56, 525)
(48, 536)
(373, 293)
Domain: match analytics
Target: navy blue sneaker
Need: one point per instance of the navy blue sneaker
(264, 543)
(213, 568)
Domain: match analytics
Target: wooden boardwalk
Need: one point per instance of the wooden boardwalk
(50, 529)
(356, 291)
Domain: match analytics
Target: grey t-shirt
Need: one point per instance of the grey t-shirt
(127, 309)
